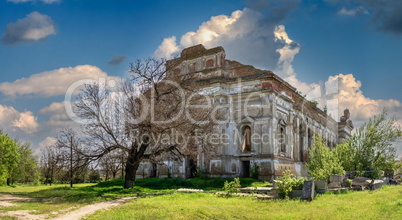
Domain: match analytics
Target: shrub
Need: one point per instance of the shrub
(322, 161)
(287, 183)
(298, 183)
(349, 182)
(375, 173)
(231, 187)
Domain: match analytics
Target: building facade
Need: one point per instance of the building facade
(267, 123)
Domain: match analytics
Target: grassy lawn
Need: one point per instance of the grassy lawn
(381, 204)
(47, 199)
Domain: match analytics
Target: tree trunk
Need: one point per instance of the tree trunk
(131, 169)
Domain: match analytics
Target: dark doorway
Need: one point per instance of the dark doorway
(191, 168)
(154, 170)
(245, 169)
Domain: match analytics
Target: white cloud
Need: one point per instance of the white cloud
(51, 83)
(287, 53)
(58, 115)
(361, 107)
(167, 49)
(17, 123)
(246, 35)
(208, 32)
(35, 26)
(47, 142)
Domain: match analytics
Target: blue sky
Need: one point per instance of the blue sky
(47, 44)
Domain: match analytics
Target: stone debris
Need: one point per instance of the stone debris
(366, 183)
(189, 190)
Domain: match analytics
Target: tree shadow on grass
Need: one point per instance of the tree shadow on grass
(113, 189)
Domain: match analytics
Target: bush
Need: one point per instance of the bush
(370, 173)
(322, 161)
(349, 182)
(375, 173)
(231, 187)
(287, 183)
(298, 183)
(94, 176)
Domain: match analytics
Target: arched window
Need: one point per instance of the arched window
(310, 138)
(301, 142)
(246, 133)
(282, 135)
(282, 138)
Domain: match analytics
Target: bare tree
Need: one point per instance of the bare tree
(148, 116)
(50, 162)
(111, 163)
(69, 143)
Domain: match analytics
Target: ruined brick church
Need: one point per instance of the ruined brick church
(271, 125)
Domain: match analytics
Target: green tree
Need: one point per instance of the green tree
(25, 170)
(322, 161)
(345, 154)
(9, 157)
(372, 145)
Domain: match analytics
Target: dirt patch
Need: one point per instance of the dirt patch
(90, 209)
(7, 200)
(23, 215)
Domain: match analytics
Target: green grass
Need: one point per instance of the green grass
(59, 197)
(381, 204)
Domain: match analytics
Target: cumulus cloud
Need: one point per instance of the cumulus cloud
(247, 35)
(361, 107)
(35, 26)
(58, 115)
(15, 122)
(117, 59)
(51, 83)
(287, 53)
(168, 48)
(48, 141)
(44, 1)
